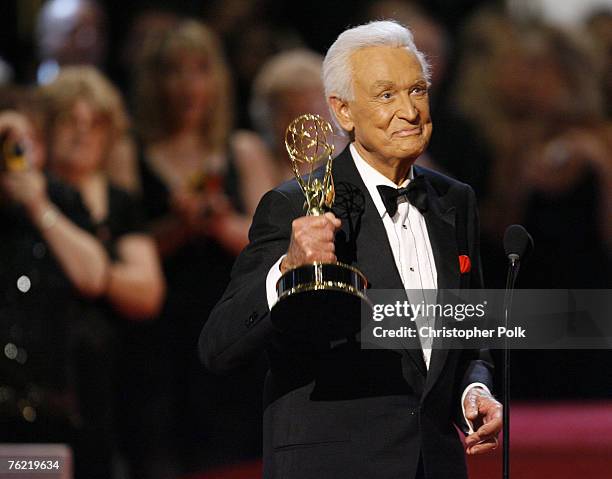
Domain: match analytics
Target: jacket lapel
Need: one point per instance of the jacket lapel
(363, 239)
(440, 220)
(363, 236)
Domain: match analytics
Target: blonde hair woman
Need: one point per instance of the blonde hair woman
(85, 118)
(193, 198)
(184, 115)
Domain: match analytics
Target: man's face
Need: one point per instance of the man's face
(389, 113)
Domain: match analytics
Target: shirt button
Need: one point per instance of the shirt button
(252, 318)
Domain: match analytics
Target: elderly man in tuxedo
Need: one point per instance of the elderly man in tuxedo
(352, 412)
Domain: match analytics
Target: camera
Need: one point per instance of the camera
(12, 155)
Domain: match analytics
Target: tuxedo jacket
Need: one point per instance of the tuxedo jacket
(349, 412)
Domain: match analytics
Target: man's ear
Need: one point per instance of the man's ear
(342, 111)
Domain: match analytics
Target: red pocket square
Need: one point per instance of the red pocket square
(465, 265)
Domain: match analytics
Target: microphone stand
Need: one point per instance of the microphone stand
(513, 270)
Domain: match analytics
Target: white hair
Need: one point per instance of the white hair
(337, 71)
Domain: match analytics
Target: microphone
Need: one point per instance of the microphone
(518, 243)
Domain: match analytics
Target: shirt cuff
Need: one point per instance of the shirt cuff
(273, 276)
(465, 391)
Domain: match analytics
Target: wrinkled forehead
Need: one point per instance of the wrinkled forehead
(385, 63)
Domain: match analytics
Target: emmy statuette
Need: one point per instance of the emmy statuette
(320, 302)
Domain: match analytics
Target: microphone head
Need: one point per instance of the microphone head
(517, 241)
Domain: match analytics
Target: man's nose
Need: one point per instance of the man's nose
(407, 109)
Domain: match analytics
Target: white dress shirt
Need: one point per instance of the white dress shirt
(409, 241)
(408, 238)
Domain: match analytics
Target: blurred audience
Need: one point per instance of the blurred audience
(86, 117)
(145, 30)
(287, 86)
(534, 91)
(194, 199)
(242, 24)
(184, 110)
(70, 32)
(600, 27)
(29, 103)
(6, 72)
(74, 32)
(56, 376)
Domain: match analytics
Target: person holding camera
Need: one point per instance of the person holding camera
(52, 265)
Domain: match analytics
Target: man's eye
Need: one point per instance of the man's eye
(386, 95)
(419, 90)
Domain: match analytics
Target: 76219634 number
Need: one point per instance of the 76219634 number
(31, 465)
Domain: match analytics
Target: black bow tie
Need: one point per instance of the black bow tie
(416, 192)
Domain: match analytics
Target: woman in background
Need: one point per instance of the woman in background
(194, 201)
(52, 267)
(184, 112)
(85, 119)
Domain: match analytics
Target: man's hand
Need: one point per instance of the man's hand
(312, 240)
(485, 413)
